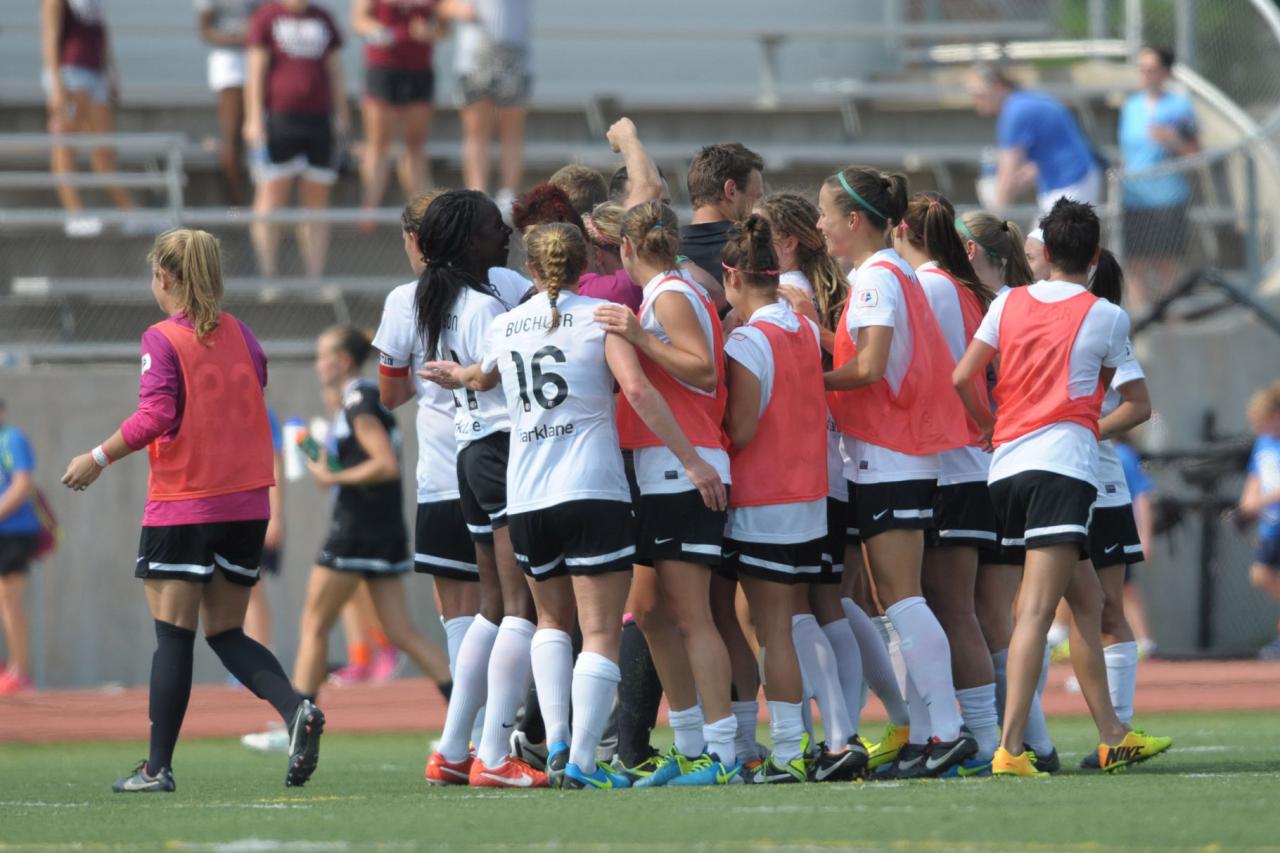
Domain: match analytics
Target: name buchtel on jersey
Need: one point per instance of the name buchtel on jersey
(542, 433)
(535, 324)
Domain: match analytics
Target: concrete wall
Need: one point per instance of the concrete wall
(90, 622)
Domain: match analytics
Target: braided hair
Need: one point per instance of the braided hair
(558, 255)
(445, 238)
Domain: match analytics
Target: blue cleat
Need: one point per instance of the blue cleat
(602, 778)
(670, 767)
(708, 769)
(970, 768)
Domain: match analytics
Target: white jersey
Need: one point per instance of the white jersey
(1113, 490)
(963, 464)
(401, 346)
(462, 339)
(876, 299)
(776, 523)
(1068, 449)
(658, 472)
(559, 396)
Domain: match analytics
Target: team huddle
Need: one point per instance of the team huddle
(744, 468)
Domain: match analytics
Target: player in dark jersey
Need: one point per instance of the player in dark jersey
(367, 535)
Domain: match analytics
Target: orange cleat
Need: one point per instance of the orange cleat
(441, 771)
(512, 773)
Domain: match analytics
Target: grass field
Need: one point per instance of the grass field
(1218, 789)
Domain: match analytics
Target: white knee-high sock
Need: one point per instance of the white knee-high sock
(893, 643)
(818, 664)
(747, 713)
(551, 658)
(978, 708)
(455, 630)
(687, 727)
(720, 737)
(877, 669)
(928, 657)
(509, 676)
(786, 729)
(848, 666)
(1122, 677)
(595, 684)
(1044, 671)
(1000, 663)
(470, 688)
(918, 714)
(1037, 731)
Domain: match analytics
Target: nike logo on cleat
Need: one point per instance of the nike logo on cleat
(1118, 754)
(879, 515)
(909, 762)
(518, 782)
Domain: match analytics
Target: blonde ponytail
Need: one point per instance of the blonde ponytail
(194, 263)
(558, 256)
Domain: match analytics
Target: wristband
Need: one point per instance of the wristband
(100, 456)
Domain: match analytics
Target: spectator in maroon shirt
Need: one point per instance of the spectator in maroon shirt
(296, 113)
(399, 88)
(82, 88)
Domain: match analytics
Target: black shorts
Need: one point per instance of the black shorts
(442, 544)
(300, 145)
(191, 552)
(1268, 553)
(482, 484)
(371, 556)
(1155, 232)
(678, 527)
(270, 562)
(1039, 508)
(576, 538)
(1113, 537)
(399, 86)
(963, 516)
(799, 562)
(16, 552)
(876, 508)
(833, 545)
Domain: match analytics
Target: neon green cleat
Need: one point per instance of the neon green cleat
(895, 738)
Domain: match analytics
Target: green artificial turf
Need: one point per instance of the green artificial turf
(1219, 788)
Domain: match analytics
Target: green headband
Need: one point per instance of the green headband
(859, 199)
(968, 235)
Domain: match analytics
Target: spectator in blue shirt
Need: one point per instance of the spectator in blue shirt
(19, 536)
(1040, 143)
(1156, 125)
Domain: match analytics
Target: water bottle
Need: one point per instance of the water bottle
(294, 466)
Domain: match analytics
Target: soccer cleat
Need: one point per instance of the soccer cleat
(749, 770)
(386, 665)
(1022, 765)
(533, 754)
(12, 683)
(908, 765)
(772, 773)
(557, 758)
(350, 674)
(140, 782)
(843, 766)
(442, 771)
(274, 739)
(708, 769)
(602, 778)
(639, 771)
(670, 767)
(970, 768)
(1136, 747)
(943, 755)
(1045, 763)
(511, 773)
(1090, 761)
(895, 738)
(1060, 653)
(304, 744)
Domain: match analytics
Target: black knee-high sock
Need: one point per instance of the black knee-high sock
(170, 691)
(639, 696)
(256, 668)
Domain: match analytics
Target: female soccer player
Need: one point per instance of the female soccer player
(964, 519)
(399, 88)
(777, 525)
(996, 249)
(1054, 368)
(207, 504)
(569, 501)
(462, 237)
(890, 401)
(679, 537)
(1260, 499)
(366, 536)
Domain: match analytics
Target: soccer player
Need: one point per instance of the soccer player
(568, 497)
(366, 535)
(462, 237)
(1261, 497)
(777, 526)
(20, 529)
(1055, 365)
(207, 501)
(890, 401)
(964, 519)
(679, 537)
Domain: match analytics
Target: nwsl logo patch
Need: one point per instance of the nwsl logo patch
(868, 298)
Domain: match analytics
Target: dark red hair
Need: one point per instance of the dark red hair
(544, 203)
